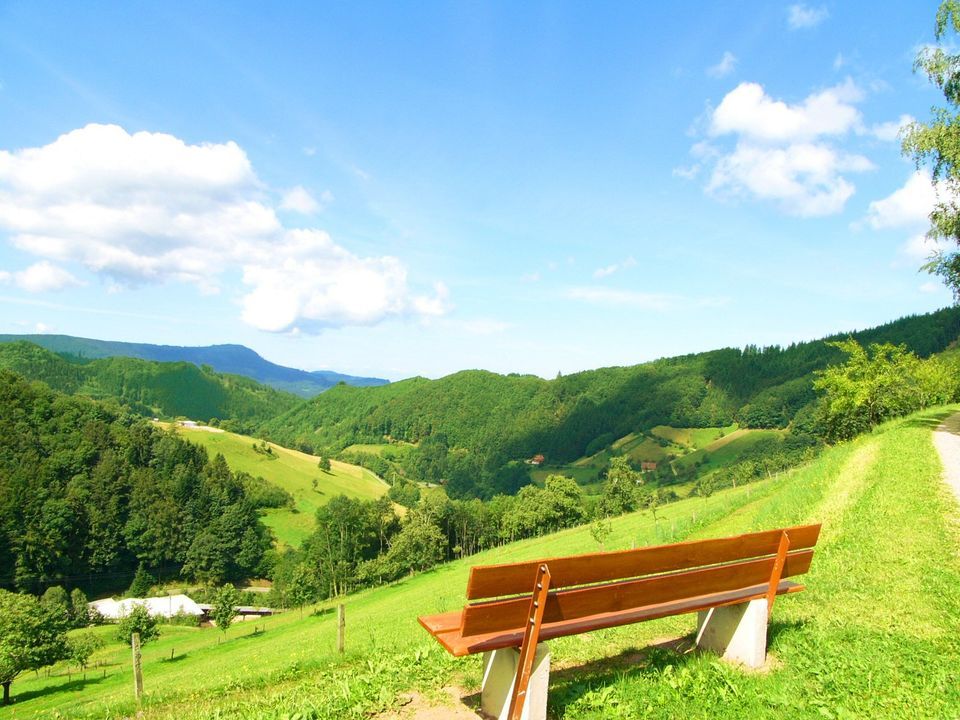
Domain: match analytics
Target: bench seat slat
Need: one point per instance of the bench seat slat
(459, 645)
(441, 622)
(572, 604)
(489, 581)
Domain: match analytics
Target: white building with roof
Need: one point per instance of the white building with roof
(166, 606)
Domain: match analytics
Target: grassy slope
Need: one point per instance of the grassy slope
(695, 438)
(726, 450)
(873, 636)
(294, 472)
(717, 446)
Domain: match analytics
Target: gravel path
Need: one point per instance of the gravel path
(946, 439)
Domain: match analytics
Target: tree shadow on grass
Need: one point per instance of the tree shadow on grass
(250, 635)
(69, 686)
(932, 422)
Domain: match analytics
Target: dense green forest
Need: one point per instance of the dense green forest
(89, 492)
(152, 388)
(474, 428)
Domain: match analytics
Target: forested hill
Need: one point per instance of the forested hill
(233, 359)
(152, 388)
(87, 492)
(497, 418)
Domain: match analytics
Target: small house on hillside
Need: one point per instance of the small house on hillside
(167, 606)
(536, 460)
(647, 466)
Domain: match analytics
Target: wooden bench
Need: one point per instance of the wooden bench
(731, 582)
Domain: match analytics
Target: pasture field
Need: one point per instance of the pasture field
(371, 448)
(727, 449)
(716, 447)
(293, 471)
(874, 635)
(693, 438)
(377, 448)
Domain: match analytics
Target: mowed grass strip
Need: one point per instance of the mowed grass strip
(293, 471)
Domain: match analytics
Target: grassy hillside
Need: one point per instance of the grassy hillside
(873, 636)
(710, 449)
(293, 471)
(727, 449)
(167, 389)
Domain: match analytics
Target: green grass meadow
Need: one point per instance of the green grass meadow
(294, 472)
(873, 636)
(726, 450)
(716, 447)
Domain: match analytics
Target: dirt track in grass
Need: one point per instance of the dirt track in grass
(946, 438)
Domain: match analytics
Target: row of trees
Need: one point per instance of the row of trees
(880, 382)
(360, 543)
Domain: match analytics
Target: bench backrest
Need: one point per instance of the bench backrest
(597, 583)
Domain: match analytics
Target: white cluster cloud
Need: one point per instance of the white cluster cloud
(299, 199)
(890, 131)
(727, 65)
(748, 111)
(804, 178)
(614, 267)
(40, 277)
(150, 208)
(909, 208)
(800, 16)
(782, 152)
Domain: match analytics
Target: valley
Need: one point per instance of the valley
(390, 494)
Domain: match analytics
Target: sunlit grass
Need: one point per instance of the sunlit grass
(293, 471)
(873, 636)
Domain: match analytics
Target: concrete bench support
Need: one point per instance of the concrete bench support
(736, 632)
(499, 674)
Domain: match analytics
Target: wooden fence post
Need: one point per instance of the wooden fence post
(341, 626)
(137, 674)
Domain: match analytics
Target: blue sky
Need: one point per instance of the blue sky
(420, 188)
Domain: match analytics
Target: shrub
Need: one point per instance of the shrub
(138, 620)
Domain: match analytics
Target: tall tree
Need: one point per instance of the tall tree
(936, 143)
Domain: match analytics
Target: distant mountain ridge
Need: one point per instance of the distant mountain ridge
(152, 388)
(233, 359)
